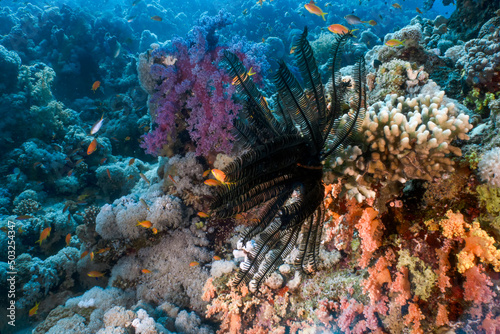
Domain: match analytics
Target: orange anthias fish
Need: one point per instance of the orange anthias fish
(212, 182)
(339, 29)
(202, 214)
(313, 9)
(216, 258)
(205, 173)
(372, 23)
(91, 256)
(68, 239)
(96, 85)
(103, 250)
(97, 125)
(156, 18)
(84, 254)
(45, 233)
(394, 42)
(33, 311)
(419, 11)
(95, 274)
(396, 5)
(146, 271)
(155, 230)
(92, 147)
(193, 264)
(219, 175)
(131, 161)
(109, 173)
(144, 223)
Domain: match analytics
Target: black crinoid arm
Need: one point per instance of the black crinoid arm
(280, 170)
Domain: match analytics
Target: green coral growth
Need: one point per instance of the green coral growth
(479, 101)
(422, 277)
(489, 197)
(472, 159)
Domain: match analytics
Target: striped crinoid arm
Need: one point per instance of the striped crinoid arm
(273, 239)
(258, 175)
(309, 245)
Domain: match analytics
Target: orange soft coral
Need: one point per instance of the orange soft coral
(401, 285)
(478, 244)
(453, 226)
(444, 265)
(414, 315)
(378, 275)
(476, 286)
(442, 315)
(370, 232)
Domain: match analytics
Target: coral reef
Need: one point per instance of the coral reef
(118, 241)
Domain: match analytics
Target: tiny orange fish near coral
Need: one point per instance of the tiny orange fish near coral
(144, 223)
(103, 250)
(96, 85)
(202, 214)
(34, 309)
(68, 239)
(193, 264)
(92, 147)
(44, 234)
(211, 182)
(219, 175)
(95, 274)
(146, 271)
(84, 254)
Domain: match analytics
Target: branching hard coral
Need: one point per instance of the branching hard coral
(403, 139)
(281, 169)
(26, 207)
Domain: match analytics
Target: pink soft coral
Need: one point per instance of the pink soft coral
(193, 93)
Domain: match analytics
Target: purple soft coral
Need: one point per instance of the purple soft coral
(193, 93)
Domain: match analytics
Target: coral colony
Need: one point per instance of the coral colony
(266, 166)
